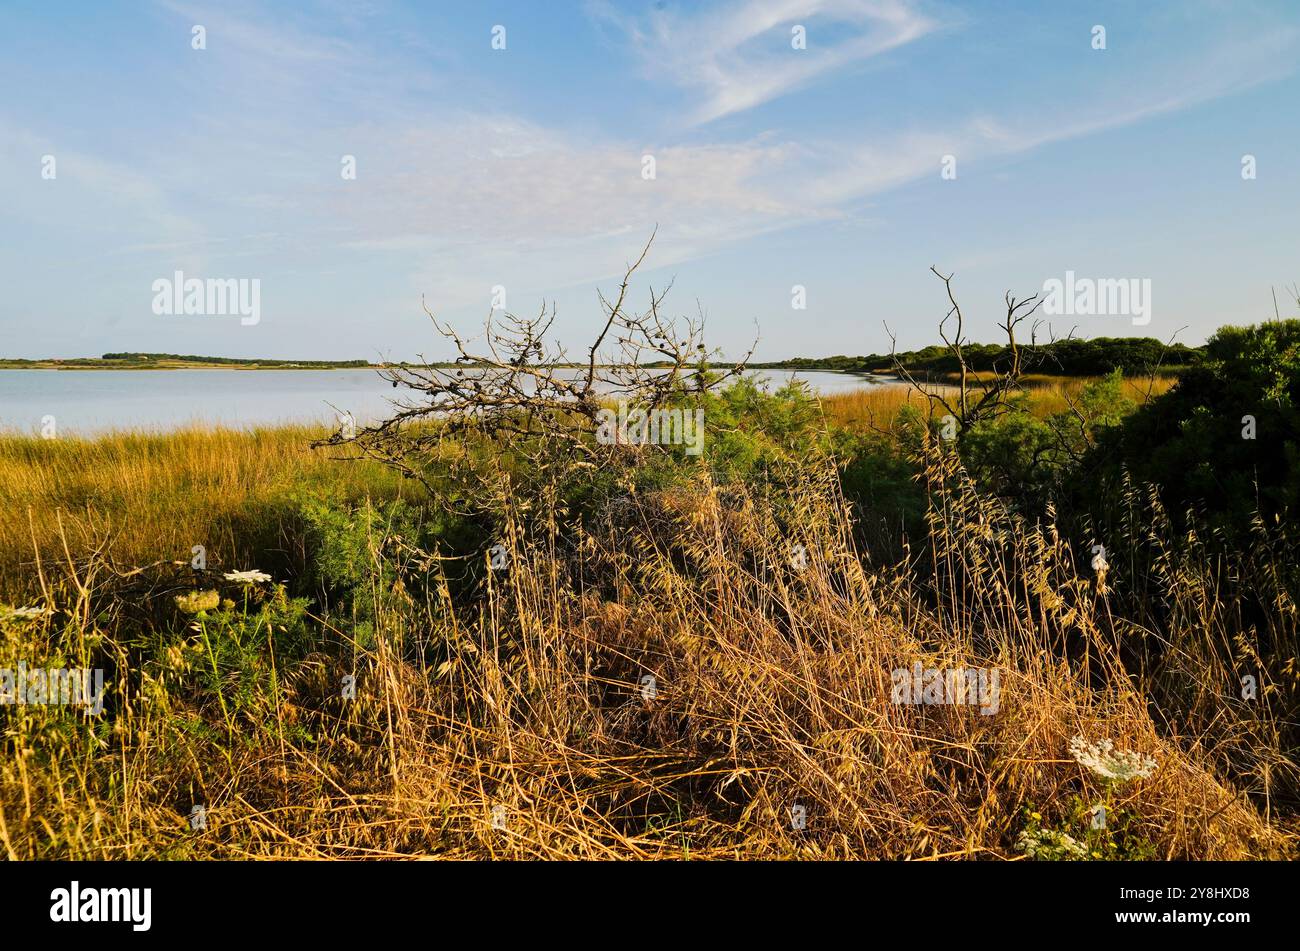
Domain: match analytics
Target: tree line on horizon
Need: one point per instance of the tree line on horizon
(1073, 357)
(195, 358)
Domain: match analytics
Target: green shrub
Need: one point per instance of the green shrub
(1225, 437)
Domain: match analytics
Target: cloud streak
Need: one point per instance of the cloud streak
(740, 56)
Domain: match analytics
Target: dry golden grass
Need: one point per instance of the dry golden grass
(519, 725)
(152, 497)
(877, 405)
(873, 406)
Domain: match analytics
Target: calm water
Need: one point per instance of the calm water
(88, 401)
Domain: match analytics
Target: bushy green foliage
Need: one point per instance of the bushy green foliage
(750, 426)
(240, 645)
(880, 481)
(358, 553)
(1225, 437)
(1077, 837)
(753, 428)
(1026, 459)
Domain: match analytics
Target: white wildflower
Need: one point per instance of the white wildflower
(248, 577)
(1110, 764)
(1050, 844)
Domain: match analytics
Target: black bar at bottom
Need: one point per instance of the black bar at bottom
(636, 902)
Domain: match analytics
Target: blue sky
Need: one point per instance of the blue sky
(522, 167)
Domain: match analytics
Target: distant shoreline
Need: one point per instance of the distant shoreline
(1070, 357)
(99, 364)
(109, 368)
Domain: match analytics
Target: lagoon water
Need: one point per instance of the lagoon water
(91, 401)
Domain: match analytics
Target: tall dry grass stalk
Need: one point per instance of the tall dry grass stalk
(521, 724)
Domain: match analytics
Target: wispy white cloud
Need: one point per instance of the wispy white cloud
(848, 170)
(442, 184)
(467, 199)
(470, 196)
(740, 55)
(450, 200)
